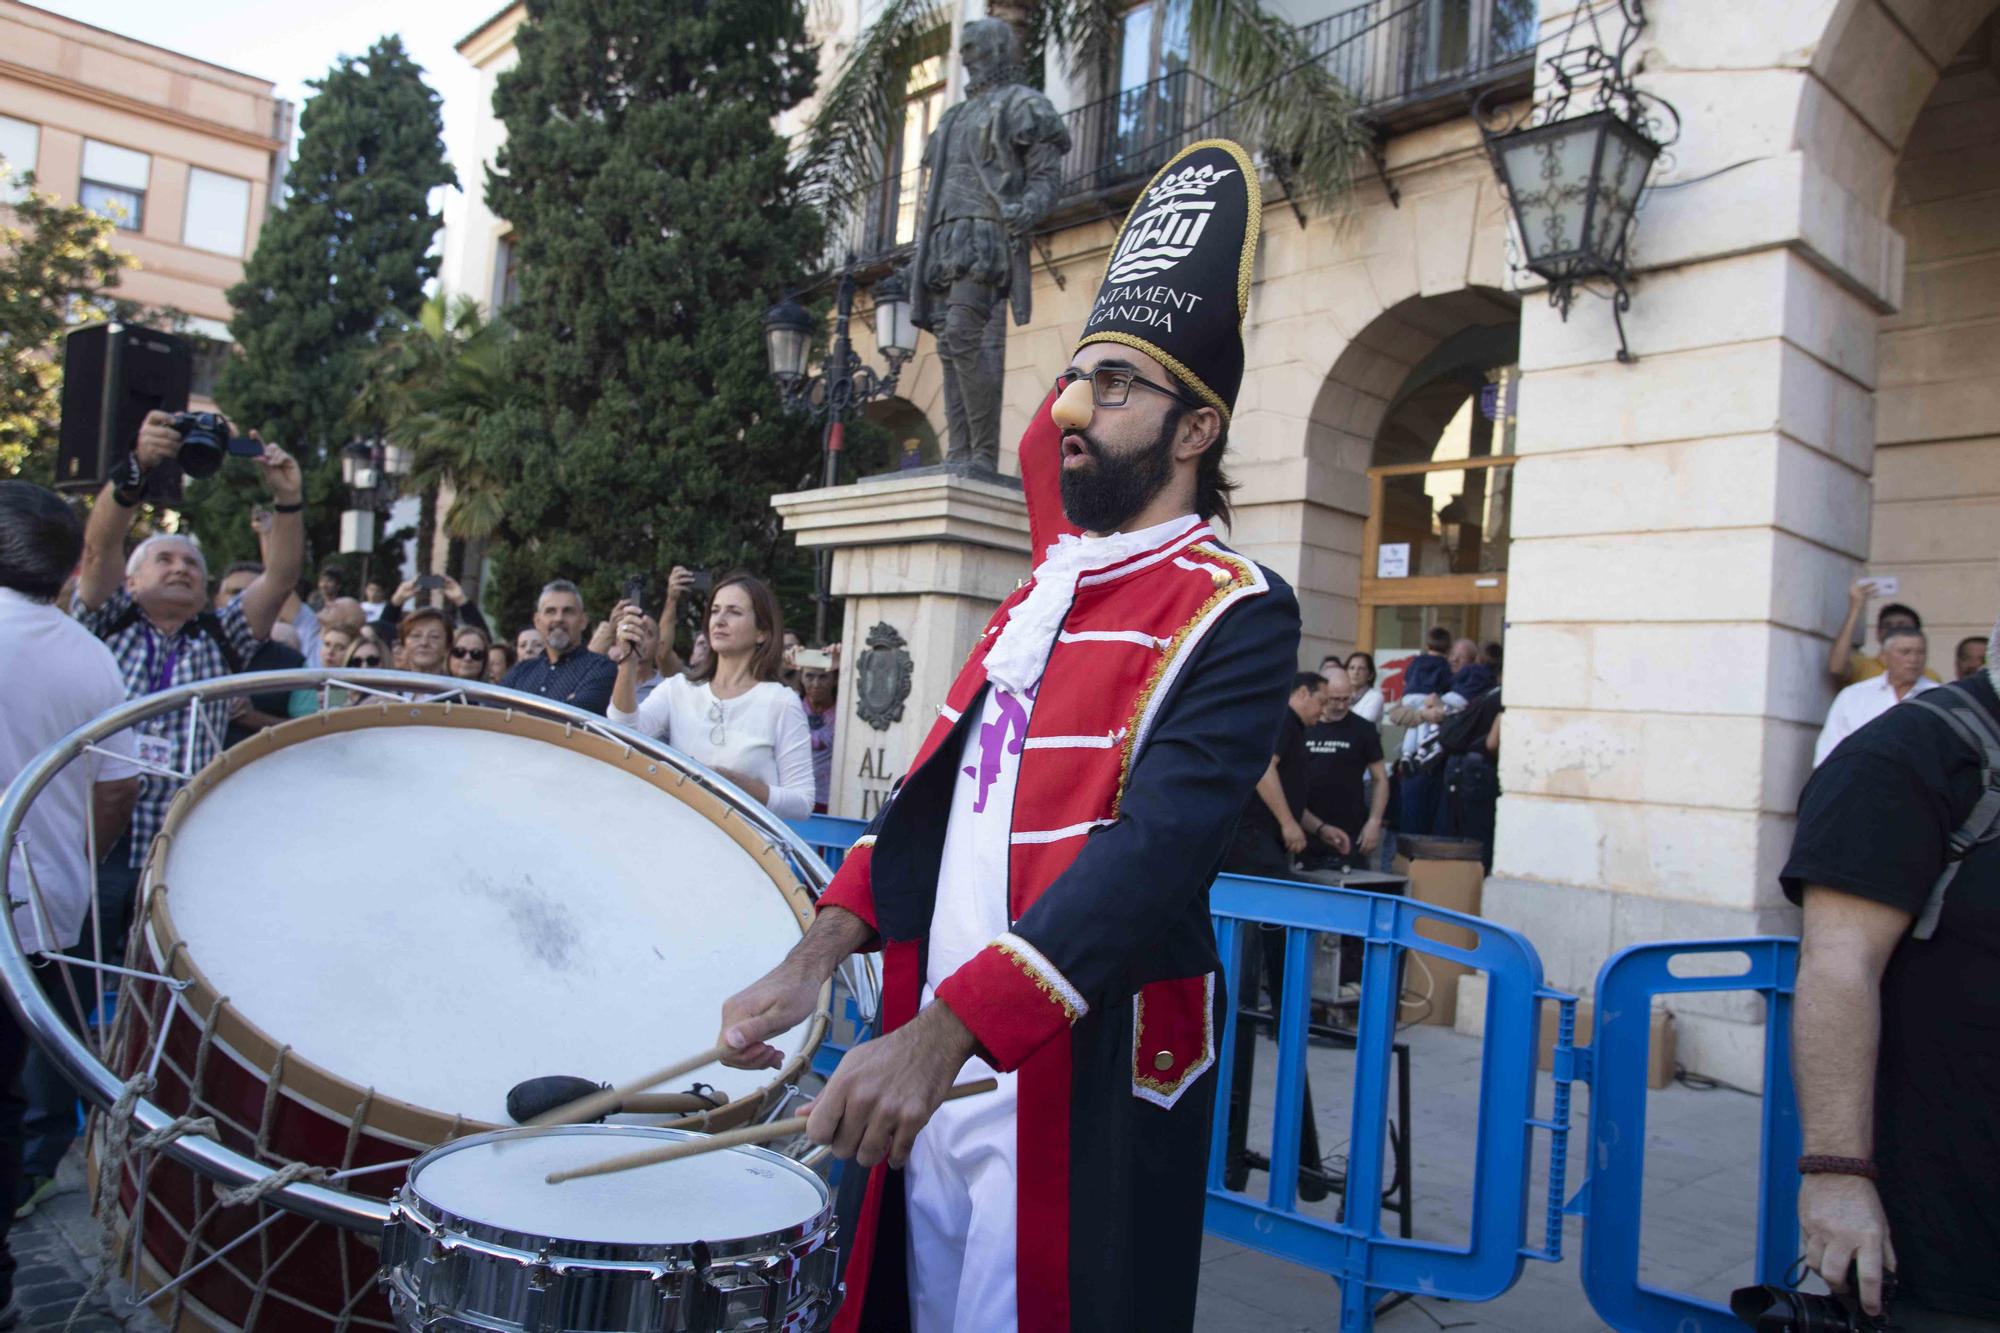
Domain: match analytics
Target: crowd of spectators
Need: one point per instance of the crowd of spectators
(87, 624)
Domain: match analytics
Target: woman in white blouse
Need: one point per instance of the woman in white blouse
(731, 713)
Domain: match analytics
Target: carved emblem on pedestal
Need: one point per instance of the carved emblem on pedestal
(882, 678)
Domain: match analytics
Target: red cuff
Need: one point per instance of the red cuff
(1012, 999)
(853, 885)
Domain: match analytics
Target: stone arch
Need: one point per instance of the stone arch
(1936, 478)
(1401, 350)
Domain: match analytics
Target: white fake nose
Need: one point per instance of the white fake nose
(1073, 406)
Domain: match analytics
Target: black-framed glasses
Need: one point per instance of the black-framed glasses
(469, 654)
(1111, 386)
(372, 659)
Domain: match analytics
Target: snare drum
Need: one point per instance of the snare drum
(737, 1238)
(388, 916)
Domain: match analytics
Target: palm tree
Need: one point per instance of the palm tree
(1277, 96)
(432, 385)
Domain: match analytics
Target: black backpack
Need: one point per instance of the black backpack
(1977, 728)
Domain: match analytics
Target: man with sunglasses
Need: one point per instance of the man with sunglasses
(1038, 885)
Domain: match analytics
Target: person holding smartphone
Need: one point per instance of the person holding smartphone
(735, 714)
(1845, 661)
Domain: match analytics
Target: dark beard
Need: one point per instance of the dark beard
(1106, 495)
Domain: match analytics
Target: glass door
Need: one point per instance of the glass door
(1434, 554)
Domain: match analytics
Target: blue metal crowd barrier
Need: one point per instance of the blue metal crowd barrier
(1354, 1250)
(1615, 1068)
(1370, 1265)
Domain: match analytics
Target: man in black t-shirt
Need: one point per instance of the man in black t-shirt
(1271, 832)
(1341, 751)
(1897, 1039)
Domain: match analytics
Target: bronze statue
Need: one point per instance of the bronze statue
(995, 166)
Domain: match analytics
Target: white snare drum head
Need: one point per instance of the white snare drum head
(442, 912)
(728, 1194)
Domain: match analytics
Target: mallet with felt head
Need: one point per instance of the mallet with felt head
(538, 1096)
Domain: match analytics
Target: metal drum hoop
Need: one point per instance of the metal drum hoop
(388, 689)
(529, 1247)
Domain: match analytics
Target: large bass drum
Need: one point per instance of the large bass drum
(383, 918)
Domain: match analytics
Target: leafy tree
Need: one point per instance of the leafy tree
(56, 265)
(342, 263)
(657, 219)
(435, 385)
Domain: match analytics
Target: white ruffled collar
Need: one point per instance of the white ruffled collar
(1022, 650)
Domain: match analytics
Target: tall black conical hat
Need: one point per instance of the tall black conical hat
(1178, 281)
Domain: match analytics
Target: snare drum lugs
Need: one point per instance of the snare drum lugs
(478, 1242)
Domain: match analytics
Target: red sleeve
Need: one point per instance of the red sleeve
(1041, 481)
(1012, 999)
(852, 886)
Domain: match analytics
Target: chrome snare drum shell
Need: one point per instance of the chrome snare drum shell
(447, 1271)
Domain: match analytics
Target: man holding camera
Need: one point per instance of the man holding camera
(1897, 864)
(152, 611)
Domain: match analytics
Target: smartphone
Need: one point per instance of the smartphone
(704, 583)
(1886, 585)
(426, 582)
(815, 659)
(634, 590)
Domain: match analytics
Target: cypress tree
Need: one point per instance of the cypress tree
(656, 219)
(343, 261)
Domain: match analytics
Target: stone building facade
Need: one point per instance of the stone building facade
(1665, 546)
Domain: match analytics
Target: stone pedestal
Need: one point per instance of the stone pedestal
(921, 561)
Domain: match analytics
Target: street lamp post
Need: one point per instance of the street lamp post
(368, 468)
(843, 384)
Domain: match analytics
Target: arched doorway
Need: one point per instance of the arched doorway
(1425, 398)
(1936, 504)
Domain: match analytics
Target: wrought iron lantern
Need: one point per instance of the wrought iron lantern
(1574, 179)
(788, 331)
(845, 381)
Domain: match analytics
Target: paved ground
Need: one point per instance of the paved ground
(57, 1249)
(1699, 1218)
(1699, 1212)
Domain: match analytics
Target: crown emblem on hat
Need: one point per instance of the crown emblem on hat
(1188, 180)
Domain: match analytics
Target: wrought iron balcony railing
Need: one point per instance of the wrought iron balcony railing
(1396, 56)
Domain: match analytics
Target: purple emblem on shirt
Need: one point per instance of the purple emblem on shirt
(994, 738)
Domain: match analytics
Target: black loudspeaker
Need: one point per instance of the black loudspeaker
(113, 374)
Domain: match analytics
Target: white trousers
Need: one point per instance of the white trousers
(960, 1191)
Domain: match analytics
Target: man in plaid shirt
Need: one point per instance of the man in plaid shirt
(151, 610)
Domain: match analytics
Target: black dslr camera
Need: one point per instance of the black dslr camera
(1782, 1310)
(206, 439)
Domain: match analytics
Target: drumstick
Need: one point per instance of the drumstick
(599, 1104)
(610, 1099)
(729, 1138)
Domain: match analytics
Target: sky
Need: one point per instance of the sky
(289, 43)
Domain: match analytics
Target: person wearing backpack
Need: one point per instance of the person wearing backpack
(1896, 1021)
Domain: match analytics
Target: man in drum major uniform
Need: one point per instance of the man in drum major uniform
(1038, 886)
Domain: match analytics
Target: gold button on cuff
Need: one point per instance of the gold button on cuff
(1163, 1061)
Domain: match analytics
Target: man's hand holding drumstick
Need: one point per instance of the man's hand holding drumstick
(883, 1091)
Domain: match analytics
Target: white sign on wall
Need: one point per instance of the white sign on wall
(1392, 560)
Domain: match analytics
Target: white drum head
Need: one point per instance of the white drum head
(440, 912)
(726, 1195)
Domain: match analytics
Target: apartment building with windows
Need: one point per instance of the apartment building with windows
(184, 155)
